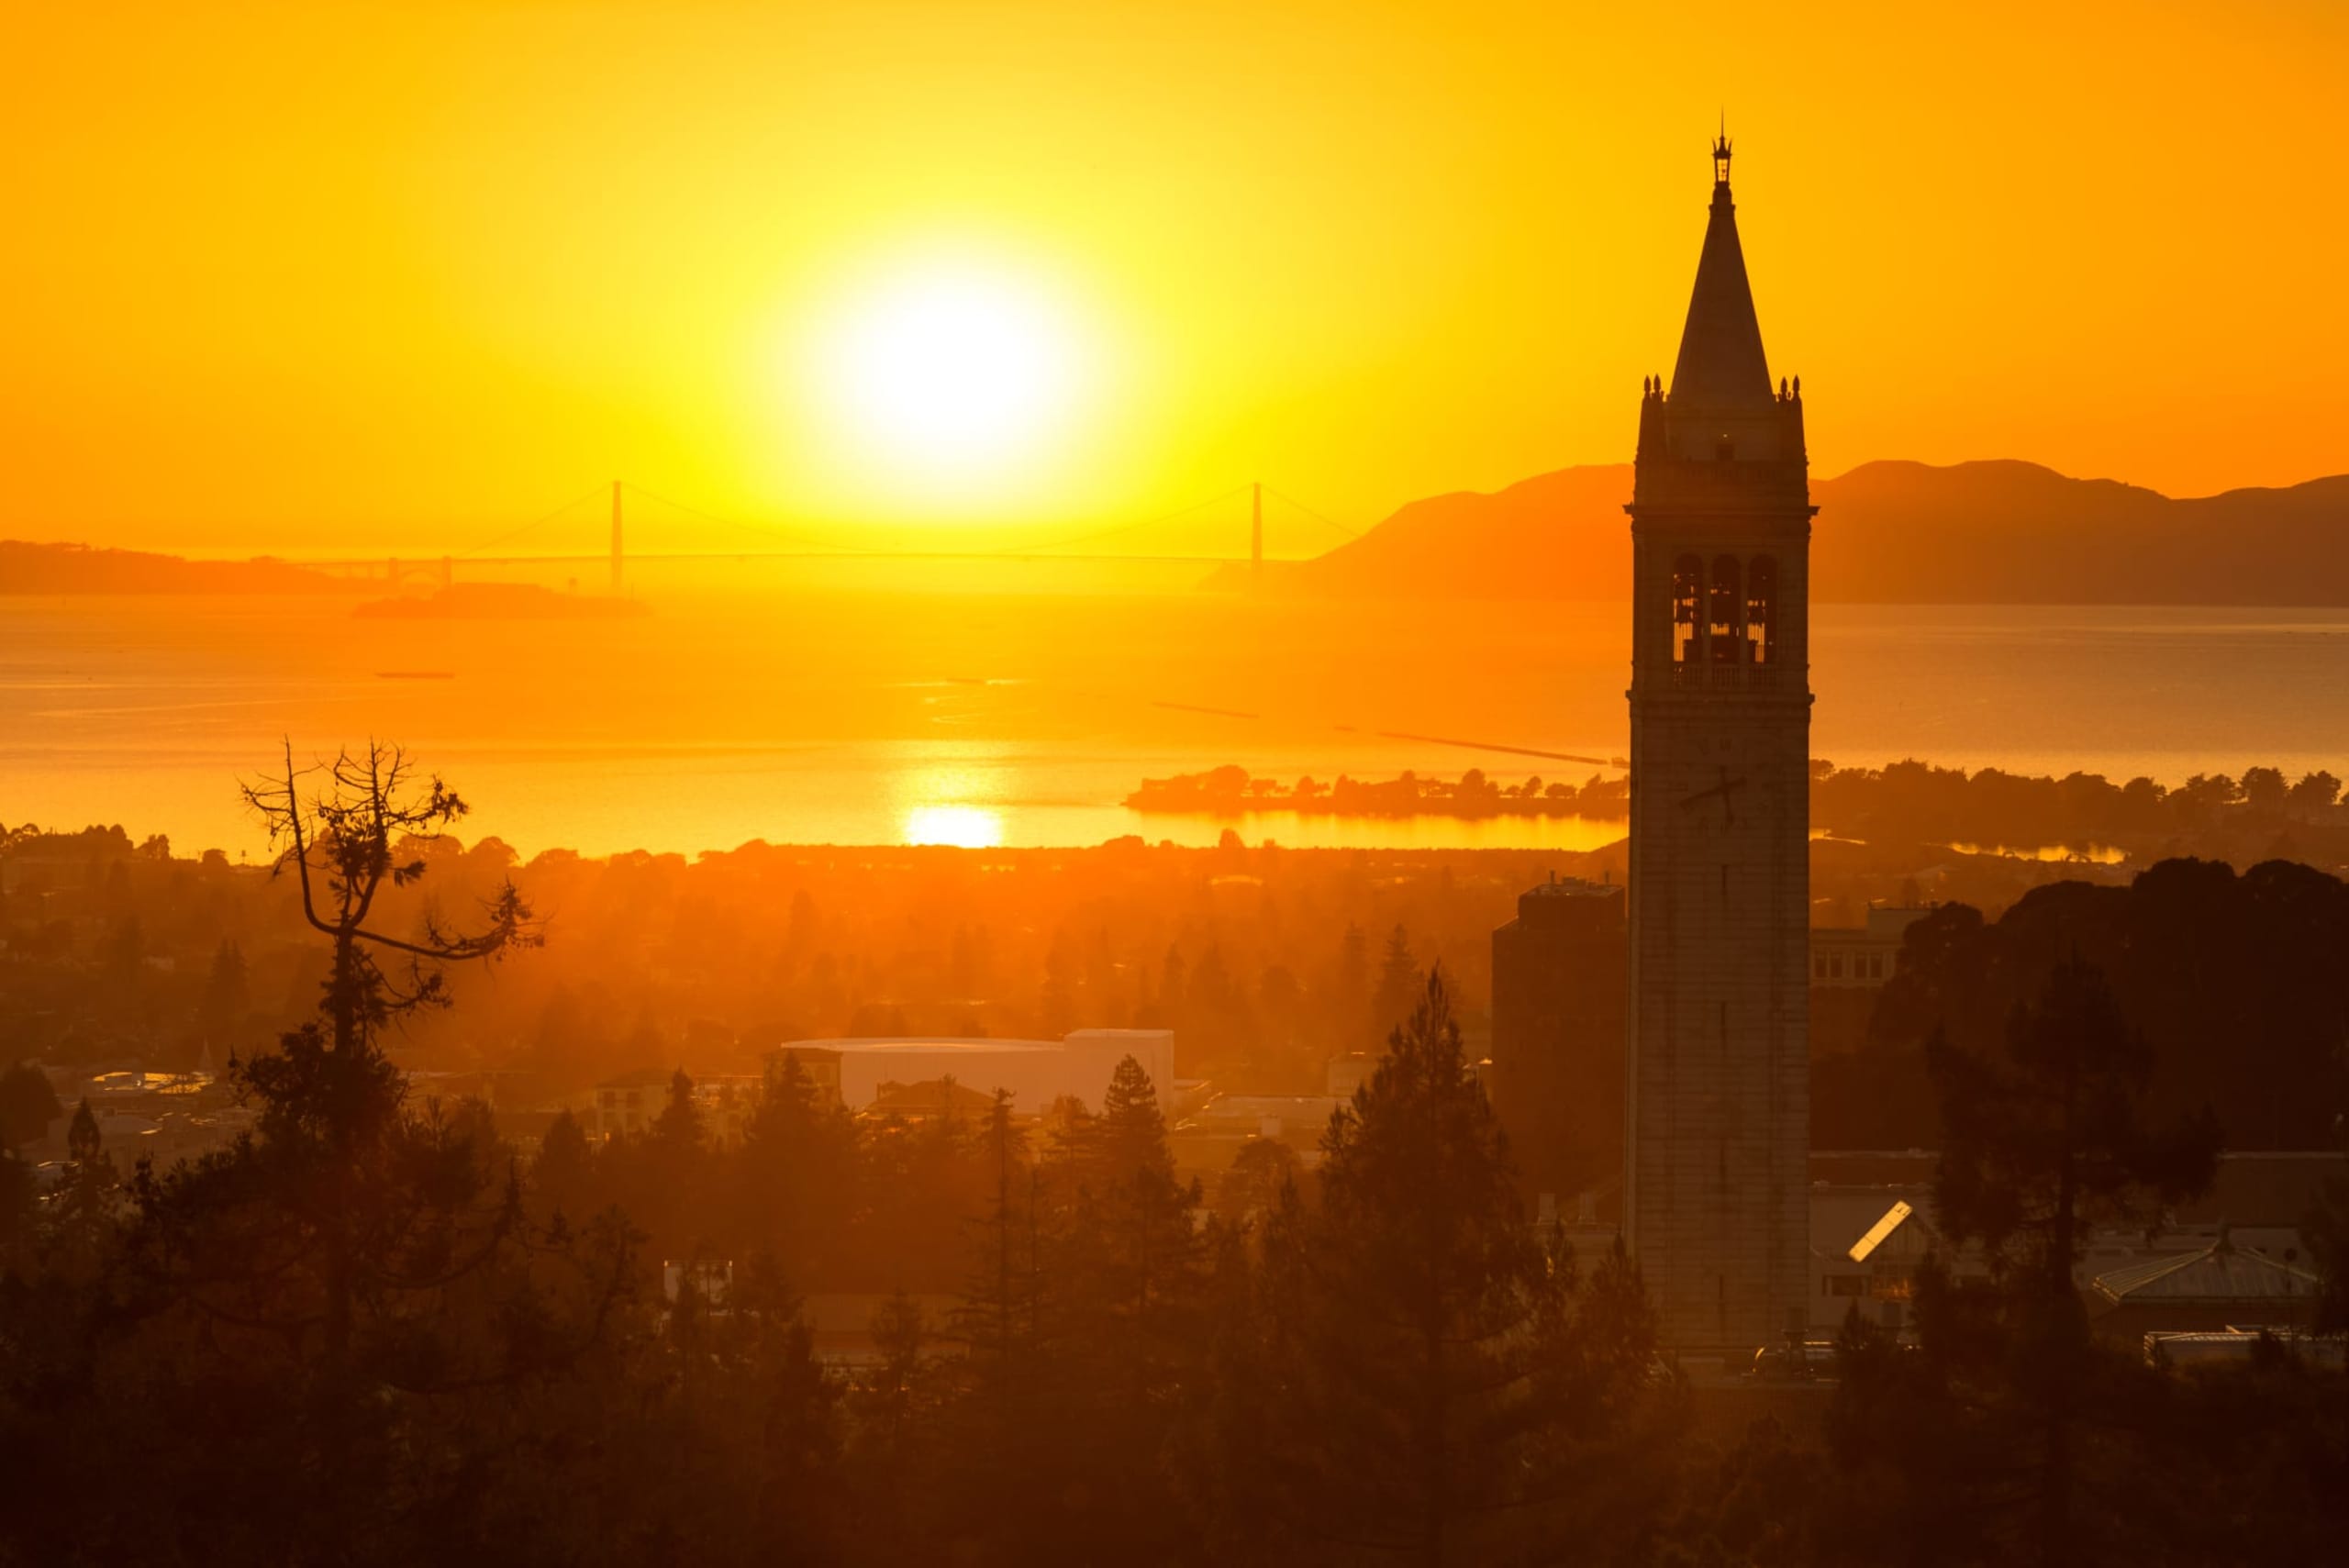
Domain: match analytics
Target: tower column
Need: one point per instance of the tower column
(1717, 1082)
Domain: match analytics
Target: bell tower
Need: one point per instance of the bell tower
(1717, 1169)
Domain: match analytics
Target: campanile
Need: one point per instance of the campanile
(1716, 1180)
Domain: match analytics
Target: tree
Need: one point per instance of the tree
(2052, 1141)
(1398, 977)
(28, 1104)
(565, 1164)
(797, 1170)
(227, 997)
(2264, 790)
(892, 1404)
(90, 1198)
(1448, 1377)
(1251, 1186)
(350, 831)
(677, 1130)
(1133, 1268)
(2020, 1453)
(354, 1261)
(2315, 791)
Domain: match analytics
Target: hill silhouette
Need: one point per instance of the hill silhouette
(26, 568)
(1998, 532)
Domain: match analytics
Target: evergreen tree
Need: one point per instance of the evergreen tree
(1398, 978)
(565, 1164)
(227, 997)
(798, 1172)
(1442, 1378)
(1132, 1261)
(677, 1130)
(89, 1199)
(322, 1292)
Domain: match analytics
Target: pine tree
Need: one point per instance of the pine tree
(677, 1130)
(226, 999)
(1443, 1380)
(1398, 978)
(1136, 1258)
(796, 1169)
(90, 1198)
(565, 1164)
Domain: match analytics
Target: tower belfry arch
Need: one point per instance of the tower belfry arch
(1717, 1082)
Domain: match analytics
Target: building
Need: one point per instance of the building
(1718, 1065)
(1873, 1263)
(1036, 1072)
(1849, 964)
(2217, 1287)
(628, 1105)
(1556, 1077)
(820, 1067)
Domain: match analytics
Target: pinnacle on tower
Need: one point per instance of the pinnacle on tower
(1722, 365)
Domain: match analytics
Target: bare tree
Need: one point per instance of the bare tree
(346, 827)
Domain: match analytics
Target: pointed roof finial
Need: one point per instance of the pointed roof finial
(1720, 152)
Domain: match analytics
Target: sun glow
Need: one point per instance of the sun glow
(949, 372)
(964, 827)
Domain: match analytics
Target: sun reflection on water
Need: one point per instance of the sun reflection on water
(964, 827)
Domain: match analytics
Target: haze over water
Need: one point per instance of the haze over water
(852, 717)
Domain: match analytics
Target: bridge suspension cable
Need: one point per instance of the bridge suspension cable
(513, 534)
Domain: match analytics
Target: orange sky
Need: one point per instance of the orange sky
(309, 278)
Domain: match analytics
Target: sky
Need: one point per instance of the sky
(305, 278)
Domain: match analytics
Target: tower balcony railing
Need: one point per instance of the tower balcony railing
(1720, 676)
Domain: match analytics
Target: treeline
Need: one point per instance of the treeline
(1905, 802)
(370, 1334)
(1265, 962)
(1229, 789)
(2236, 982)
(1916, 801)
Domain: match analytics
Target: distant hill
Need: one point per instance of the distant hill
(1886, 532)
(79, 569)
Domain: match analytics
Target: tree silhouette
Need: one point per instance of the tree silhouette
(357, 1256)
(1439, 1374)
(2004, 1434)
(349, 829)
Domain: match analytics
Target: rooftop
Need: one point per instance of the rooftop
(2220, 1273)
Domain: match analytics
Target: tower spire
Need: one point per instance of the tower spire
(1722, 365)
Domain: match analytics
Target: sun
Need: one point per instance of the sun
(964, 827)
(949, 370)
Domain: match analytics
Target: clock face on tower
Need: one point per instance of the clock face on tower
(1725, 792)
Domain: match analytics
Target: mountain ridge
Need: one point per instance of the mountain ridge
(1893, 530)
(29, 568)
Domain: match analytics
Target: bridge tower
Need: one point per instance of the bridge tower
(1256, 527)
(615, 537)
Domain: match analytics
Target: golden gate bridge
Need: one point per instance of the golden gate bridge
(784, 544)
